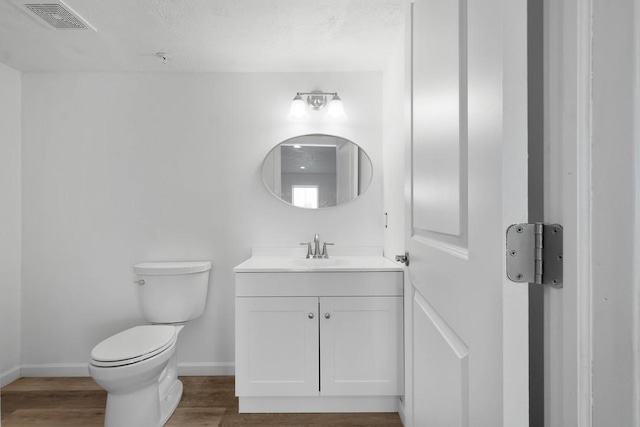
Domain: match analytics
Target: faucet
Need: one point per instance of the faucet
(315, 252)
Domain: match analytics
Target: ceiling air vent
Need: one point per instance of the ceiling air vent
(56, 14)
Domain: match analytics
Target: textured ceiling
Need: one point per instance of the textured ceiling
(207, 35)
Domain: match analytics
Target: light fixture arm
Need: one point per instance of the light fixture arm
(317, 93)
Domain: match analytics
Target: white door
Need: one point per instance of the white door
(361, 346)
(346, 172)
(467, 326)
(277, 347)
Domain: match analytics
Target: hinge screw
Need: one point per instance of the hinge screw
(519, 276)
(513, 253)
(519, 229)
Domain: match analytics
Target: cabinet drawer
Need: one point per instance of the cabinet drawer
(320, 284)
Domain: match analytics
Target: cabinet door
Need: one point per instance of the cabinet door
(361, 346)
(277, 348)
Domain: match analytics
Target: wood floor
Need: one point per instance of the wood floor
(207, 401)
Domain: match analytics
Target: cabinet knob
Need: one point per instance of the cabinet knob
(327, 316)
(311, 316)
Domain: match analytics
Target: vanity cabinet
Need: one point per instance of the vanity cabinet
(318, 334)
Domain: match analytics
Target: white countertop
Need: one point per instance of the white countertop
(293, 260)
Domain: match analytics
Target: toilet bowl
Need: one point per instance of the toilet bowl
(138, 367)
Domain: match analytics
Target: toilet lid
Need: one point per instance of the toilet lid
(134, 343)
(171, 268)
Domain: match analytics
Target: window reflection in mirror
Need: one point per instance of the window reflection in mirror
(305, 196)
(317, 171)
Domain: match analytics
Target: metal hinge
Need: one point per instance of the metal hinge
(534, 254)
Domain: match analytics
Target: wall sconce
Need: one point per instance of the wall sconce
(316, 101)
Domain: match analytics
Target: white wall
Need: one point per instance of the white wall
(10, 217)
(394, 128)
(124, 168)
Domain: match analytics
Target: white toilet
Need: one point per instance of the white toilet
(137, 367)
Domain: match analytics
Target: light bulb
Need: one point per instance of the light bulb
(335, 109)
(298, 110)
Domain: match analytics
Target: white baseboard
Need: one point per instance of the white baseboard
(194, 369)
(401, 411)
(9, 376)
(82, 370)
(55, 370)
(317, 404)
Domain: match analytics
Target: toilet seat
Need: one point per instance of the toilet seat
(133, 345)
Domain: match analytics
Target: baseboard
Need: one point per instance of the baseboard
(82, 370)
(194, 369)
(9, 376)
(317, 404)
(401, 411)
(55, 370)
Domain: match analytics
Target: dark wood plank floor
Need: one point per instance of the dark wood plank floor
(207, 401)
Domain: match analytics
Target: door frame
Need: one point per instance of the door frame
(579, 34)
(568, 318)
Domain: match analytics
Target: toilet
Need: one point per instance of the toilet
(137, 367)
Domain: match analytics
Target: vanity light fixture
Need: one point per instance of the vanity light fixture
(316, 101)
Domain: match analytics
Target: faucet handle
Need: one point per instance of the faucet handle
(308, 244)
(324, 249)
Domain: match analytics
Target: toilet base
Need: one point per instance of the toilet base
(143, 394)
(170, 402)
(140, 408)
(143, 408)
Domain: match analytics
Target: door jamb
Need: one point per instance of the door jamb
(568, 136)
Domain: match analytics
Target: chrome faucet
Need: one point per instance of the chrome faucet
(315, 252)
(316, 248)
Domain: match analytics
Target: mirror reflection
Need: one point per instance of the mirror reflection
(317, 171)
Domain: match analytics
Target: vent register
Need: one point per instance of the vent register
(55, 14)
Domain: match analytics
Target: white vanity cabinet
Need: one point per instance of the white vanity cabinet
(319, 340)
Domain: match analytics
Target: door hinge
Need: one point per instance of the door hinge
(534, 253)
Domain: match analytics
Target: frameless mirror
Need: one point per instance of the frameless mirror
(317, 171)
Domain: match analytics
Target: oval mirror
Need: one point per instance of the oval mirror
(317, 171)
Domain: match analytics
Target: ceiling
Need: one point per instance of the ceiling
(206, 36)
(313, 159)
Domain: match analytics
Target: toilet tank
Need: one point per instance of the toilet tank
(173, 292)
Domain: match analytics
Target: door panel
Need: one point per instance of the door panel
(468, 331)
(439, 121)
(444, 360)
